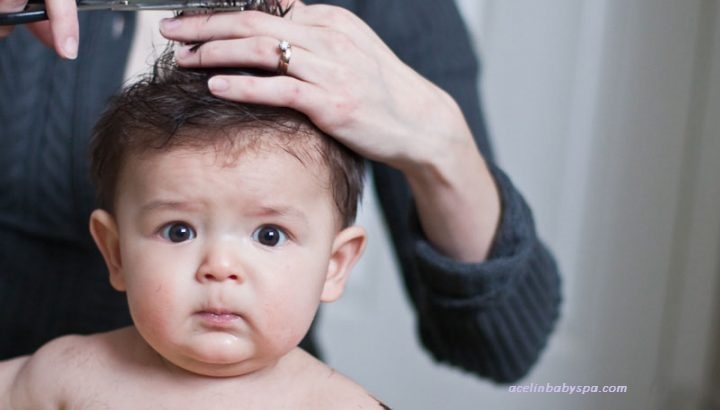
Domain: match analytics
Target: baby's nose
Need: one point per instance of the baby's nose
(219, 275)
(221, 263)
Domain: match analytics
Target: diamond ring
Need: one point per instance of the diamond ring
(285, 53)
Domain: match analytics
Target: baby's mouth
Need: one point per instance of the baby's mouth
(218, 317)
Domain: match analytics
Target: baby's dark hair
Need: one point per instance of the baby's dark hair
(172, 108)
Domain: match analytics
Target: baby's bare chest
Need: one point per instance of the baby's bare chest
(141, 393)
(124, 398)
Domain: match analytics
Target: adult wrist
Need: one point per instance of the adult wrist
(457, 202)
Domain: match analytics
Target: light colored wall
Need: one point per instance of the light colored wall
(604, 113)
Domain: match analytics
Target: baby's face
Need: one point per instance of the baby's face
(224, 265)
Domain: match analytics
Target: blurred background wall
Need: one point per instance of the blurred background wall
(606, 114)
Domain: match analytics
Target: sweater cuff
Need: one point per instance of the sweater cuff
(455, 284)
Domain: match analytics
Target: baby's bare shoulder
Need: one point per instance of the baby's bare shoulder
(59, 369)
(342, 392)
(66, 356)
(327, 388)
(9, 370)
(73, 353)
(37, 381)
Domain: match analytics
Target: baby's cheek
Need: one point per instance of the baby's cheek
(152, 320)
(149, 301)
(287, 321)
(144, 313)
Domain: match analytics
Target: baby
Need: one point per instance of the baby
(226, 225)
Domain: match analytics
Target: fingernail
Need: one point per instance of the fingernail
(71, 48)
(170, 24)
(218, 84)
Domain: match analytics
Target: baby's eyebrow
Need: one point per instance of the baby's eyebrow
(176, 205)
(278, 211)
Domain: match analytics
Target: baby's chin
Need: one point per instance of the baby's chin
(222, 363)
(253, 366)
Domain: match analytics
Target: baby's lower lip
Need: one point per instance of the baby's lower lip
(218, 318)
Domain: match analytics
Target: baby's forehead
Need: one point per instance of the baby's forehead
(230, 153)
(272, 172)
(231, 144)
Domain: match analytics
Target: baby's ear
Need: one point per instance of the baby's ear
(104, 230)
(346, 250)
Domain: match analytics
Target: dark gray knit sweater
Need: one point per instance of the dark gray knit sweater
(491, 318)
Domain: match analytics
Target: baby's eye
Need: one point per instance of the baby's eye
(178, 232)
(269, 235)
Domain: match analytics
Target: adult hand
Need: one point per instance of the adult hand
(340, 74)
(61, 31)
(353, 87)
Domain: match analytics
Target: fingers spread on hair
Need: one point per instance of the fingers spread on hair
(256, 52)
(279, 91)
(227, 25)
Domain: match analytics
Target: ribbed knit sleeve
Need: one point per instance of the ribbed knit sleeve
(492, 318)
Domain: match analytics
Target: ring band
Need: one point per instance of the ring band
(285, 53)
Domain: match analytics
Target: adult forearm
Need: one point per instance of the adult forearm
(457, 201)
